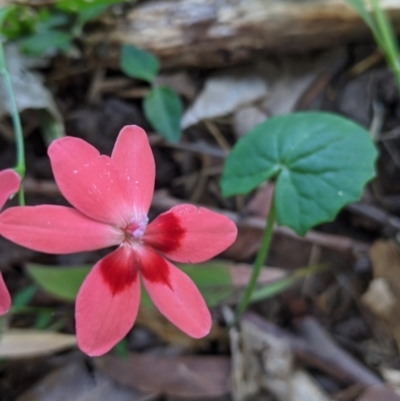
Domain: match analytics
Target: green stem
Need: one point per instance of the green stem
(19, 138)
(261, 255)
(388, 39)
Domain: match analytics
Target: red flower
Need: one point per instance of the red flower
(9, 184)
(112, 196)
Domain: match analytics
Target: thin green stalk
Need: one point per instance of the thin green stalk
(261, 255)
(19, 138)
(388, 39)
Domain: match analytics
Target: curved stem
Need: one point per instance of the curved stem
(261, 255)
(19, 138)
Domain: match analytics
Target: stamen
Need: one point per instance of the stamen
(138, 226)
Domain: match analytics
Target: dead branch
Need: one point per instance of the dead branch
(210, 33)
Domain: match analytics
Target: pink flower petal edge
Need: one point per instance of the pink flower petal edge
(135, 163)
(111, 190)
(9, 185)
(5, 298)
(107, 302)
(175, 295)
(56, 229)
(88, 180)
(112, 196)
(190, 234)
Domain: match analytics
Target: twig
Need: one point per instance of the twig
(324, 346)
(41, 187)
(317, 349)
(375, 214)
(162, 201)
(195, 147)
(216, 133)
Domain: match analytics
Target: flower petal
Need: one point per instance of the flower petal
(56, 229)
(135, 163)
(5, 299)
(190, 234)
(174, 294)
(9, 184)
(89, 181)
(108, 302)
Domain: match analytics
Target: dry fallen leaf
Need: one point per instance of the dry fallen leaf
(289, 79)
(30, 91)
(19, 343)
(240, 275)
(392, 378)
(379, 297)
(75, 382)
(246, 118)
(182, 376)
(265, 360)
(383, 294)
(379, 393)
(248, 240)
(224, 93)
(305, 388)
(179, 81)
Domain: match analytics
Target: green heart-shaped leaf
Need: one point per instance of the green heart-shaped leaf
(320, 162)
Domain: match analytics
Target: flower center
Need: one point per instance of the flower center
(137, 227)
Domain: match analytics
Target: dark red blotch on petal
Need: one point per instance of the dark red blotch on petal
(154, 268)
(168, 233)
(119, 270)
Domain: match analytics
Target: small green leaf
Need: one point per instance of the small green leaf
(18, 21)
(163, 109)
(90, 14)
(38, 44)
(50, 20)
(24, 296)
(3, 14)
(51, 128)
(320, 162)
(137, 63)
(213, 280)
(215, 273)
(60, 282)
(79, 5)
(43, 319)
(121, 349)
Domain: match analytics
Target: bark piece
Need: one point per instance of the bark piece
(210, 33)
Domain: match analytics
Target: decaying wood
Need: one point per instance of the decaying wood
(210, 33)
